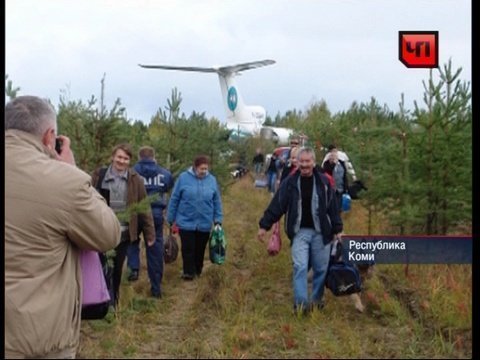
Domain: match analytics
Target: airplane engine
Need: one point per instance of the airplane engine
(268, 134)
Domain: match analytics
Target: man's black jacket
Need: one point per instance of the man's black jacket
(287, 200)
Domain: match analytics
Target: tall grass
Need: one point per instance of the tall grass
(243, 308)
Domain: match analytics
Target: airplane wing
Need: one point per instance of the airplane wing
(245, 66)
(224, 70)
(183, 68)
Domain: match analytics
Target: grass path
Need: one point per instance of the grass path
(242, 309)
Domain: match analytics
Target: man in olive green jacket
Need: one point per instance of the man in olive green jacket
(51, 212)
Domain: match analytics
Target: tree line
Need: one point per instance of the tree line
(417, 164)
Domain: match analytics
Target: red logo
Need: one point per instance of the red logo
(418, 49)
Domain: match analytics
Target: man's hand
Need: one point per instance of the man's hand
(66, 154)
(261, 234)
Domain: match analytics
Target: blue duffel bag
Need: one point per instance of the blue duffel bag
(343, 278)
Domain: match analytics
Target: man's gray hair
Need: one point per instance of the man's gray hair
(306, 150)
(30, 114)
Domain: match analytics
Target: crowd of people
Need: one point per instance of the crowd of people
(53, 210)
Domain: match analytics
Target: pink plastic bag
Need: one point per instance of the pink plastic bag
(95, 289)
(275, 243)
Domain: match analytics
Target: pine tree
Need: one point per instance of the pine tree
(93, 130)
(178, 138)
(10, 90)
(443, 166)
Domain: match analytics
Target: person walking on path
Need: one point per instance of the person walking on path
(158, 181)
(195, 206)
(312, 222)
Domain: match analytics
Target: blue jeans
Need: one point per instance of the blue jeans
(271, 178)
(154, 254)
(258, 168)
(308, 247)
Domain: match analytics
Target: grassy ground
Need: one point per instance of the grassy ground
(243, 308)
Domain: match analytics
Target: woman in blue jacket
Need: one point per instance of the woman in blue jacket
(195, 205)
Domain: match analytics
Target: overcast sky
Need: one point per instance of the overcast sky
(338, 51)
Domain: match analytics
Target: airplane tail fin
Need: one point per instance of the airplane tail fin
(232, 99)
(236, 110)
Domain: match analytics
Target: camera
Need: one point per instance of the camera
(58, 145)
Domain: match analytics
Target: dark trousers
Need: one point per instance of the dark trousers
(118, 260)
(154, 254)
(193, 251)
(338, 196)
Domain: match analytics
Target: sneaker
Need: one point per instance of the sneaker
(133, 275)
(187, 277)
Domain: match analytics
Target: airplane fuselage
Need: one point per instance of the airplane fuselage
(241, 119)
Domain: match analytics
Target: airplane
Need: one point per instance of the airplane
(242, 120)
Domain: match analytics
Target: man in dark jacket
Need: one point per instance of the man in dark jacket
(158, 181)
(312, 221)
